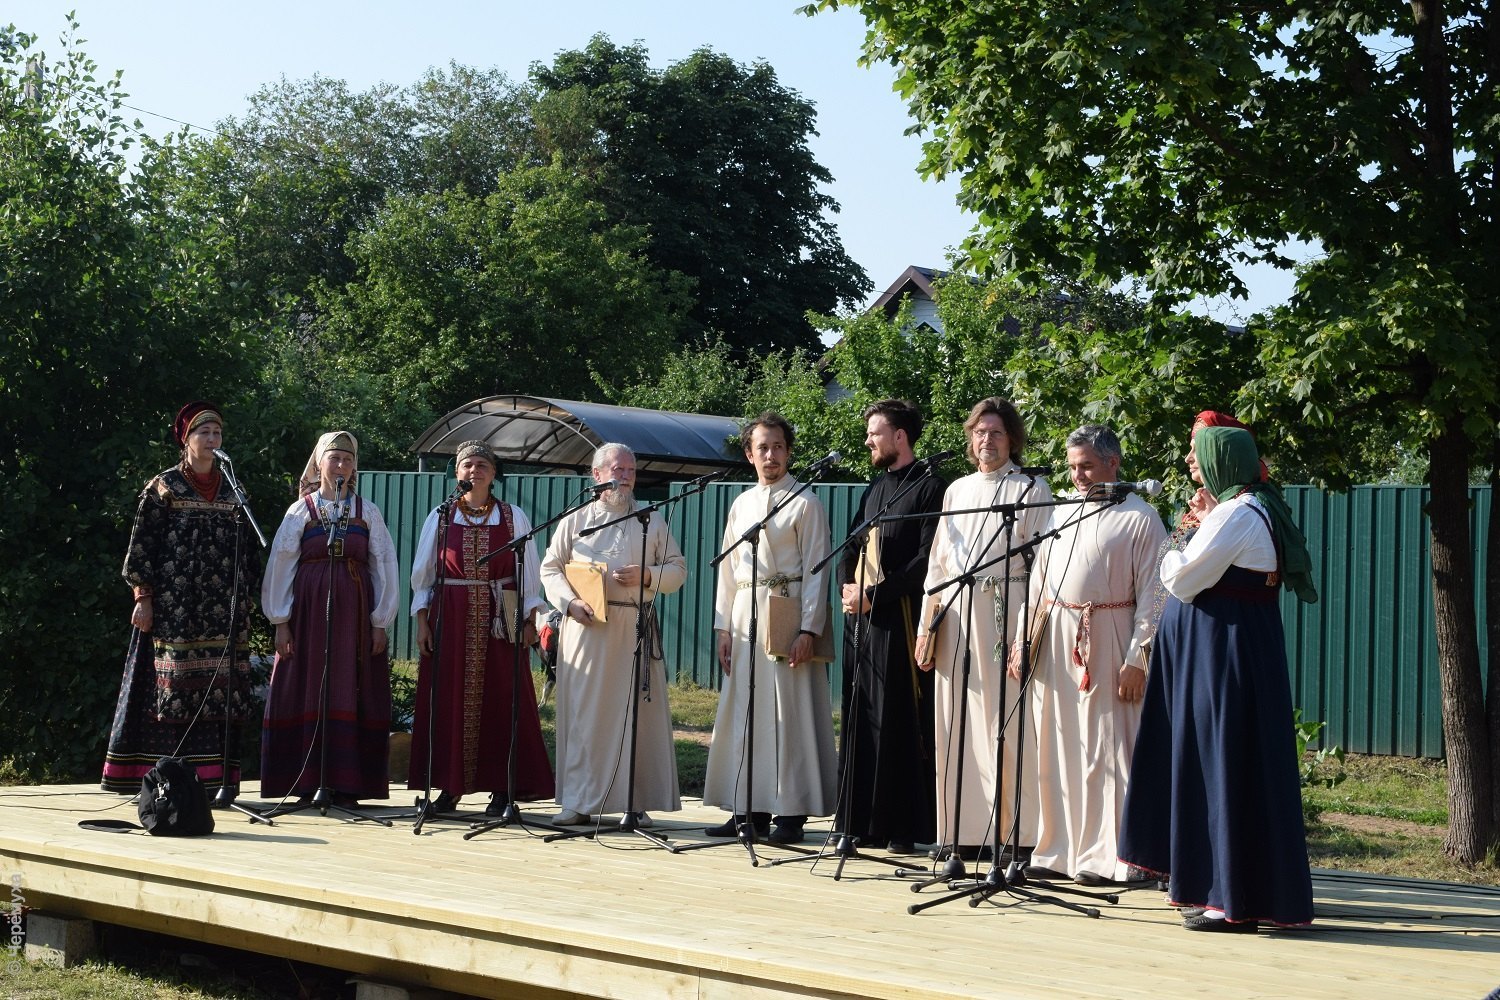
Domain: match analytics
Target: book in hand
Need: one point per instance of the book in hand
(783, 625)
(587, 581)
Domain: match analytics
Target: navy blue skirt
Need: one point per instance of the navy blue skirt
(1215, 798)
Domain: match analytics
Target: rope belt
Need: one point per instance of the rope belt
(1082, 644)
(779, 580)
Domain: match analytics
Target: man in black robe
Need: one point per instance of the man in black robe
(886, 775)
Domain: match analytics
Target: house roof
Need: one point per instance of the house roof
(913, 281)
(562, 434)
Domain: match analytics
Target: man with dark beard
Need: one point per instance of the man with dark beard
(886, 776)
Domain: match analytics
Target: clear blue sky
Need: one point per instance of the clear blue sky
(197, 62)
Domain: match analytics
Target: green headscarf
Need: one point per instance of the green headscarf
(1230, 465)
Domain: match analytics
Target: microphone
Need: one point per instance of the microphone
(599, 488)
(933, 461)
(1146, 487)
(338, 486)
(707, 478)
(222, 456)
(832, 458)
(1035, 470)
(464, 486)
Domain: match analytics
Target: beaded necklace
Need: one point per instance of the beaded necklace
(480, 514)
(206, 487)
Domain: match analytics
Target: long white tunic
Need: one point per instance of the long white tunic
(595, 668)
(964, 541)
(796, 768)
(1104, 555)
(286, 552)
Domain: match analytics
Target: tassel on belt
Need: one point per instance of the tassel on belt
(1082, 644)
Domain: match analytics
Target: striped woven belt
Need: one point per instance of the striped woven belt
(778, 580)
(479, 583)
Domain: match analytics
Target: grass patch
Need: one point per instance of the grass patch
(1388, 817)
(1402, 788)
(693, 706)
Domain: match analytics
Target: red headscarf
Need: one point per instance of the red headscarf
(1213, 418)
(197, 412)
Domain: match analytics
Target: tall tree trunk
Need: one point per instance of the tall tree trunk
(1492, 630)
(1470, 789)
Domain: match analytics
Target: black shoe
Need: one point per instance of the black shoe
(900, 847)
(1191, 911)
(1092, 880)
(1046, 874)
(731, 828)
(498, 802)
(444, 803)
(786, 833)
(1203, 922)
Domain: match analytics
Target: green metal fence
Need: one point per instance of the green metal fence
(1364, 658)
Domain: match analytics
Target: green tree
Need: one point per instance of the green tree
(458, 297)
(712, 158)
(1176, 142)
(106, 327)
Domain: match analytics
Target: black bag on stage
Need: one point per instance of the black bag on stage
(173, 802)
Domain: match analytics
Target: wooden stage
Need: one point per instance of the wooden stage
(506, 915)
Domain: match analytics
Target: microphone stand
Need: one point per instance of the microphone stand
(844, 845)
(323, 798)
(1012, 879)
(426, 808)
(510, 813)
(746, 831)
(953, 864)
(225, 797)
(640, 664)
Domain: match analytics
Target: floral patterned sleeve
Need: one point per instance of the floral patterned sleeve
(144, 555)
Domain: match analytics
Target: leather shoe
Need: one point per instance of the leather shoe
(1046, 874)
(901, 848)
(570, 818)
(1203, 922)
(786, 833)
(496, 805)
(731, 828)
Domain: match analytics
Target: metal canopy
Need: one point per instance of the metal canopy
(563, 433)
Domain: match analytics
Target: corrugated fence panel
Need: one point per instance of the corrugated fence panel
(1363, 659)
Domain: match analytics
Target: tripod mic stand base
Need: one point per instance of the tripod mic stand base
(846, 849)
(323, 800)
(510, 815)
(224, 799)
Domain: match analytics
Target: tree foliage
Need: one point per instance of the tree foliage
(106, 326)
(712, 158)
(459, 296)
(1175, 142)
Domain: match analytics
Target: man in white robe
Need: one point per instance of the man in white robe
(794, 763)
(597, 686)
(968, 782)
(1092, 590)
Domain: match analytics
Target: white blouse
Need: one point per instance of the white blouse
(424, 571)
(286, 552)
(1231, 534)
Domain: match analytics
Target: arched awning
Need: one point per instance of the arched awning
(562, 434)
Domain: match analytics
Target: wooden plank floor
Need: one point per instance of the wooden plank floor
(507, 915)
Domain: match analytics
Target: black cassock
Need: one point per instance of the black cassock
(886, 774)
